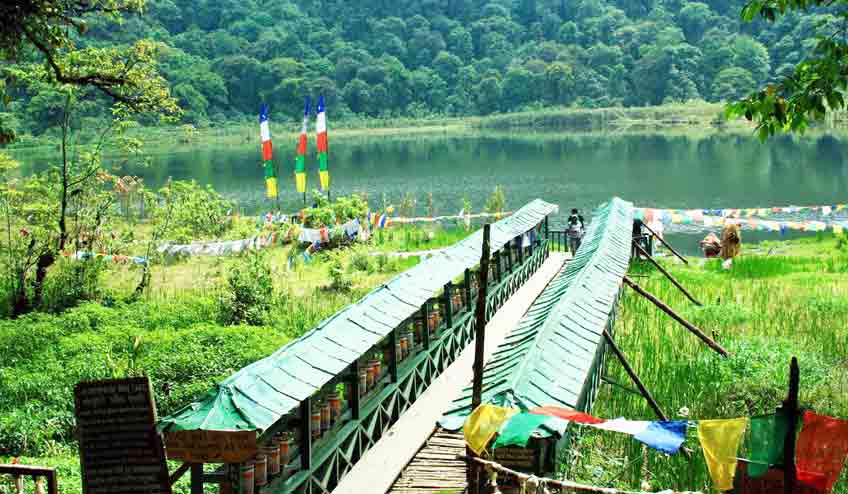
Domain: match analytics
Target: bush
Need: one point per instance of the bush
(360, 260)
(248, 292)
(72, 282)
(339, 279)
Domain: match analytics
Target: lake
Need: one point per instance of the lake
(655, 170)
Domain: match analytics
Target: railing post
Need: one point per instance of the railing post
(426, 321)
(467, 288)
(497, 260)
(547, 231)
(508, 251)
(519, 246)
(354, 395)
(305, 434)
(393, 363)
(448, 305)
(197, 478)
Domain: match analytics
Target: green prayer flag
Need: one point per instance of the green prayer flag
(767, 436)
(517, 430)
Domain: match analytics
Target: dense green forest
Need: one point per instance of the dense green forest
(223, 58)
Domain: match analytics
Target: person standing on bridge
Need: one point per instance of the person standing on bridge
(575, 231)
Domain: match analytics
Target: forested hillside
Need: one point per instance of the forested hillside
(452, 57)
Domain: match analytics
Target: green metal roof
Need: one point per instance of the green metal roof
(257, 396)
(547, 358)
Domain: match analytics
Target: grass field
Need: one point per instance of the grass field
(764, 311)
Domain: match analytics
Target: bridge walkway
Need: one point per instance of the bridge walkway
(381, 466)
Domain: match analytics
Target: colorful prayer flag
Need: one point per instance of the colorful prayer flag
(321, 130)
(300, 161)
(518, 429)
(267, 153)
(720, 440)
(821, 450)
(567, 414)
(483, 424)
(665, 436)
(767, 436)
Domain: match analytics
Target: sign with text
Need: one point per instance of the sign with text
(211, 446)
(120, 450)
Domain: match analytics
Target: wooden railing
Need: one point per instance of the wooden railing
(18, 472)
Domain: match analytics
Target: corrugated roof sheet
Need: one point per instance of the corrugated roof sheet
(547, 358)
(257, 396)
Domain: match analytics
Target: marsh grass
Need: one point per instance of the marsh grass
(764, 311)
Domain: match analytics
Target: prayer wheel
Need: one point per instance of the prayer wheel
(404, 347)
(260, 470)
(363, 381)
(316, 421)
(247, 477)
(272, 452)
(335, 407)
(326, 417)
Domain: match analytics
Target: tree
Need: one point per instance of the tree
(732, 83)
(488, 95)
(447, 66)
(357, 96)
(695, 18)
(752, 56)
(815, 87)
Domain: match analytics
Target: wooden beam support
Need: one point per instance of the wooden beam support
(446, 294)
(662, 240)
(306, 434)
(466, 289)
(197, 478)
(633, 377)
(426, 322)
(393, 363)
(688, 325)
(666, 273)
(355, 402)
(178, 473)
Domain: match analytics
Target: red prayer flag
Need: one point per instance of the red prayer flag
(821, 451)
(567, 414)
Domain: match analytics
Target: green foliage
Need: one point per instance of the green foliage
(340, 281)
(72, 282)
(451, 58)
(191, 211)
(496, 203)
(248, 293)
(340, 210)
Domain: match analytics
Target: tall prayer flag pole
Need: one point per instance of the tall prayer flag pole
(300, 162)
(321, 130)
(267, 153)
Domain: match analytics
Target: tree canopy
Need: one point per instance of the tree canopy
(223, 58)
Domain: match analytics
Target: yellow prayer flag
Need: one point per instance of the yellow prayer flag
(271, 187)
(482, 425)
(720, 440)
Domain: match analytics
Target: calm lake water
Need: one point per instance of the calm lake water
(670, 171)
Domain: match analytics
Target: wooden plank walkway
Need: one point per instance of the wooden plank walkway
(378, 469)
(435, 469)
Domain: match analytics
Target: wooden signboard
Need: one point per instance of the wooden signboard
(120, 450)
(211, 446)
(770, 483)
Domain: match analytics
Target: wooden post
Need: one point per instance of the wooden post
(498, 275)
(197, 478)
(508, 252)
(686, 324)
(424, 311)
(467, 288)
(792, 413)
(306, 434)
(519, 246)
(479, 347)
(393, 363)
(448, 305)
(662, 240)
(354, 395)
(666, 273)
(633, 377)
(547, 230)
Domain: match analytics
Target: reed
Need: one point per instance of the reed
(764, 311)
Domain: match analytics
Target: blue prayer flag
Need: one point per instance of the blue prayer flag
(664, 436)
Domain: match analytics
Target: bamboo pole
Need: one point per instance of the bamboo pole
(790, 409)
(666, 273)
(688, 325)
(665, 243)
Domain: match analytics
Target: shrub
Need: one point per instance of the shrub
(71, 282)
(248, 291)
(339, 279)
(360, 260)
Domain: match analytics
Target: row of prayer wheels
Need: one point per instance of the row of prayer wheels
(269, 462)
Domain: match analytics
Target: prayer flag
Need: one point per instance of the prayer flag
(300, 161)
(720, 440)
(631, 427)
(664, 436)
(267, 153)
(518, 429)
(483, 424)
(567, 414)
(821, 451)
(767, 436)
(321, 130)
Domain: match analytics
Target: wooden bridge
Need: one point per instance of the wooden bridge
(300, 420)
